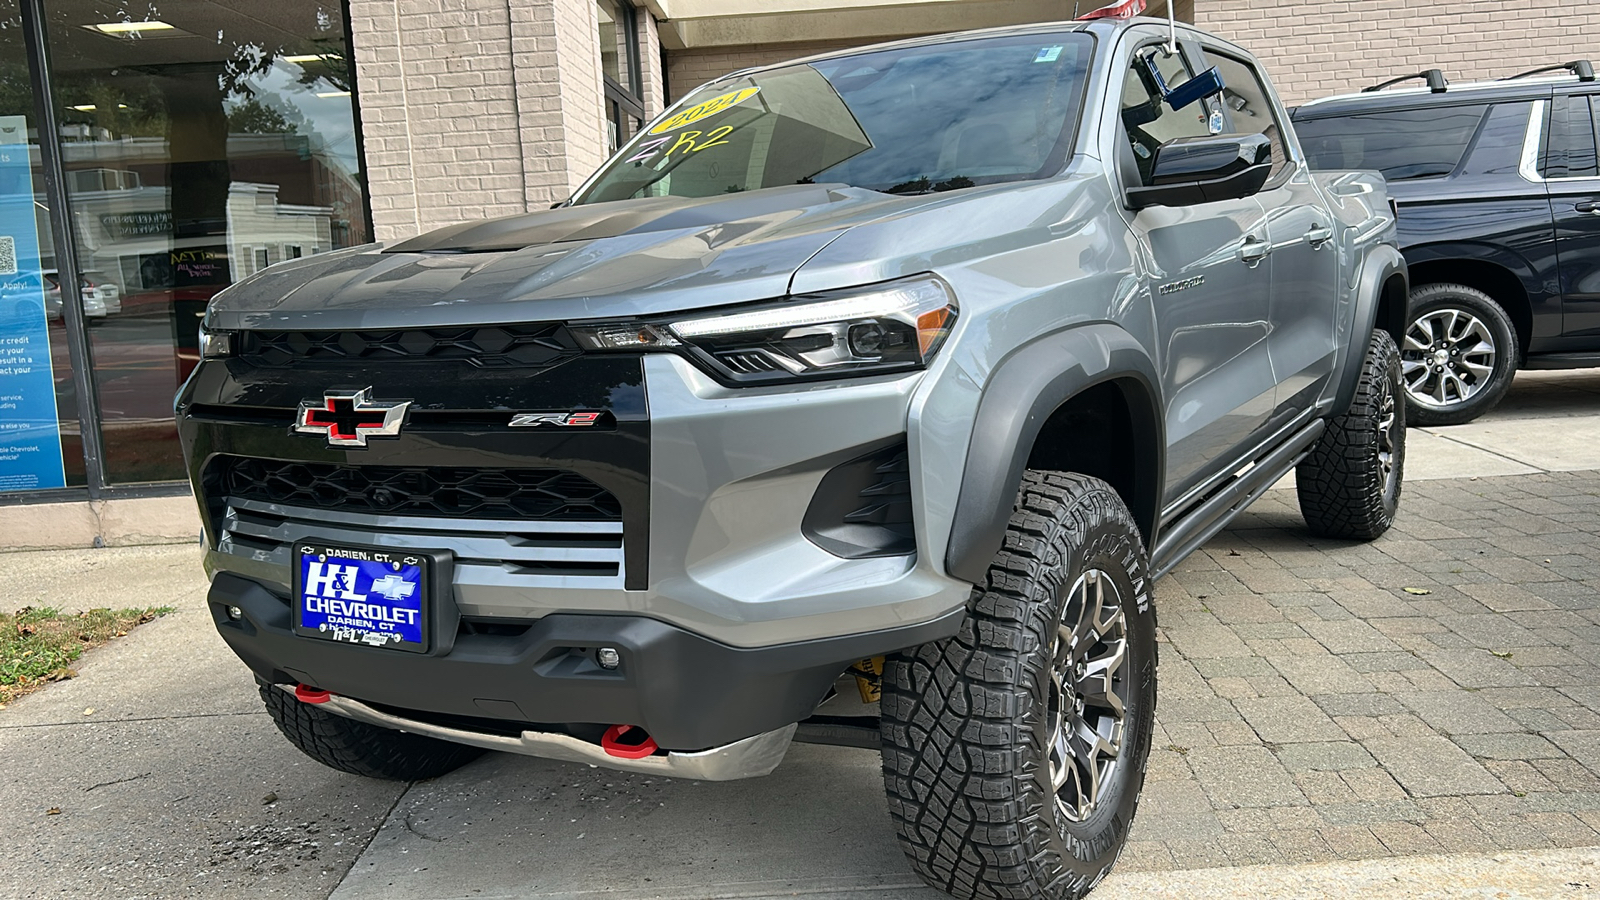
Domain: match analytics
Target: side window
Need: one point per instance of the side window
(1248, 108)
(1147, 119)
(1402, 144)
(1571, 152)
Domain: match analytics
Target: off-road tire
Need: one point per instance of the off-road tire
(1344, 487)
(360, 748)
(965, 737)
(1432, 298)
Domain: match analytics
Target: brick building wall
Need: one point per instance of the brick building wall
(437, 100)
(1313, 48)
(688, 69)
(476, 108)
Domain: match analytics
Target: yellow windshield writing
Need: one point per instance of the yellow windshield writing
(705, 109)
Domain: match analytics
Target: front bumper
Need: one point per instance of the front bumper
(730, 620)
(690, 693)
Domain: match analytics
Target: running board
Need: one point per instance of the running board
(1563, 361)
(1212, 514)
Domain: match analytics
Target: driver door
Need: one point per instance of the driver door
(1208, 277)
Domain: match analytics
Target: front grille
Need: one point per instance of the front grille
(520, 494)
(488, 553)
(536, 347)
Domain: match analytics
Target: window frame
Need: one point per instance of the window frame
(1119, 130)
(1553, 111)
(1292, 157)
(630, 103)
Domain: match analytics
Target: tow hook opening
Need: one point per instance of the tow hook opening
(627, 742)
(307, 694)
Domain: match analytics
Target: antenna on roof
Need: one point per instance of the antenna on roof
(1437, 83)
(1579, 67)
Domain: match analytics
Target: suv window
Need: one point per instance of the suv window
(1571, 153)
(1402, 144)
(1149, 121)
(1248, 109)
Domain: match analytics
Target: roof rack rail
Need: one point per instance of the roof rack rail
(1579, 67)
(1437, 83)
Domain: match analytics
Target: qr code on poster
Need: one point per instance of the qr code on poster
(8, 255)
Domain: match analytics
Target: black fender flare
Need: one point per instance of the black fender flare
(1381, 263)
(1020, 395)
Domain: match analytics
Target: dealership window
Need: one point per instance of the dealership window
(619, 69)
(40, 438)
(200, 141)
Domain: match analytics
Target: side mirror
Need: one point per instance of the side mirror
(1205, 169)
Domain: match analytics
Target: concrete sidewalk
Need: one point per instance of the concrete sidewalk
(161, 788)
(1320, 726)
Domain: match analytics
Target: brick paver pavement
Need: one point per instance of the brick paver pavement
(1435, 691)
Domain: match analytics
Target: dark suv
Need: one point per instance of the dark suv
(1498, 196)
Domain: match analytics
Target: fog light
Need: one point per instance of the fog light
(235, 612)
(609, 658)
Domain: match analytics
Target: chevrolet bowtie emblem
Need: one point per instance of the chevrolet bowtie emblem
(348, 418)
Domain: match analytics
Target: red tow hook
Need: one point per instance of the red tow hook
(638, 743)
(310, 694)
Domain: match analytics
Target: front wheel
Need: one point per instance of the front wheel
(358, 747)
(1014, 752)
(1458, 356)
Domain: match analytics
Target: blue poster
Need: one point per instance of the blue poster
(30, 433)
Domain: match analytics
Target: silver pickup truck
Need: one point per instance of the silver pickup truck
(858, 400)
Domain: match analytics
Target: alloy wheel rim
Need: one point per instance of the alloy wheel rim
(1447, 358)
(1087, 683)
(1388, 418)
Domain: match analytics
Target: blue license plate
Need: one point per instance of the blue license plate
(362, 595)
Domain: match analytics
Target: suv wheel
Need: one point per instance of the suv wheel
(1459, 354)
(1349, 484)
(358, 747)
(1013, 752)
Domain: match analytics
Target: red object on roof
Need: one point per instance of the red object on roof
(1122, 9)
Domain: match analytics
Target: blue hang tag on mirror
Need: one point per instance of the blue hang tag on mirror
(1203, 85)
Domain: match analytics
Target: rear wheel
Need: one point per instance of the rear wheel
(1349, 484)
(1458, 356)
(360, 748)
(1014, 752)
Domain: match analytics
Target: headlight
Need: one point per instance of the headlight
(215, 344)
(888, 328)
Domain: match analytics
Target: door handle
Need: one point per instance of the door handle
(1319, 235)
(1252, 251)
(1588, 206)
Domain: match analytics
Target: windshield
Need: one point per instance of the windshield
(903, 121)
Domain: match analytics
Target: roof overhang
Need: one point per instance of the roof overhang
(694, 24)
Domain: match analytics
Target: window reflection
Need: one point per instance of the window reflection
(198, 151)
(619, 69)
(40, 443)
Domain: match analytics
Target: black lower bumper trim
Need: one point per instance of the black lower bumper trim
(688, 691)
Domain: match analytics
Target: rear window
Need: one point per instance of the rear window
(1402, 144)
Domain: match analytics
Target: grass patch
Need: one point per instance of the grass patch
(38, 645)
